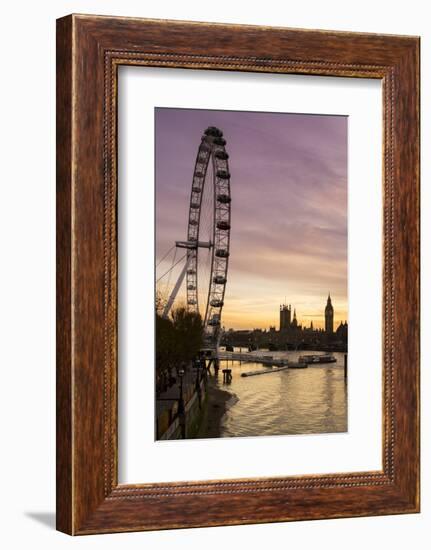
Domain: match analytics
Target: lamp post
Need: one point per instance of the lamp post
(199, 375)
(181, 408)
(197, 366)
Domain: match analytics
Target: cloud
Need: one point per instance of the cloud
(289, 208)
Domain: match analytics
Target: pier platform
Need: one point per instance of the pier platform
(268, 360)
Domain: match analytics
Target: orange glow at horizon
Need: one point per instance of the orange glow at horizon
(241, 317)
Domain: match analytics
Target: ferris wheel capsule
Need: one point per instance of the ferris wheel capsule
(222, 253)
(222, 155)
(219, 141)
(224, 198)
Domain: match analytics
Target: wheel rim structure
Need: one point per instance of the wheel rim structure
(211, 149)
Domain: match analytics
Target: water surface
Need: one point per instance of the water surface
(293, 401)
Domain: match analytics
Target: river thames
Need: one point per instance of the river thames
(292, 401)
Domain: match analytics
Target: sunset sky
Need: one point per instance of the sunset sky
(289, 209)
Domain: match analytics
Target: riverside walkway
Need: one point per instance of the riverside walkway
(168, 402)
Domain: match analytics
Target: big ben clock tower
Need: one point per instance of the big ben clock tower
(329, 316)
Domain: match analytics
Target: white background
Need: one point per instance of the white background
(141, 458)
(27, 119)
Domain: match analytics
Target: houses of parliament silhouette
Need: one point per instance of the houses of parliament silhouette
(293, 335)
(288, 322)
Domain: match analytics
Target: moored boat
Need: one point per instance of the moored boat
(317, 359)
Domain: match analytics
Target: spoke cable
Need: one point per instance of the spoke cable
(170, 269)
(167, 253)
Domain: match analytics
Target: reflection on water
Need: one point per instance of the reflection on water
(293, 401)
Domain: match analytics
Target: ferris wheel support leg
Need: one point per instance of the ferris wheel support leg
(176, 288)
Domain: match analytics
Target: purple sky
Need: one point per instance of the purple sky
(289, 208)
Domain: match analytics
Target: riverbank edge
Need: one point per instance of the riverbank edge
(217, 403)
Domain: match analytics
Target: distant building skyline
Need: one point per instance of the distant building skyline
(291, 334)
(289, 208)
(288, 318)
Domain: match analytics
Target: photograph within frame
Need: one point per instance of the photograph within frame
(359, 449)
(223, 319)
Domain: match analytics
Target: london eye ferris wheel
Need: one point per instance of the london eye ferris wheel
(207, 243)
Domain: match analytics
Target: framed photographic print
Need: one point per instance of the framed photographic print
(237, 274)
